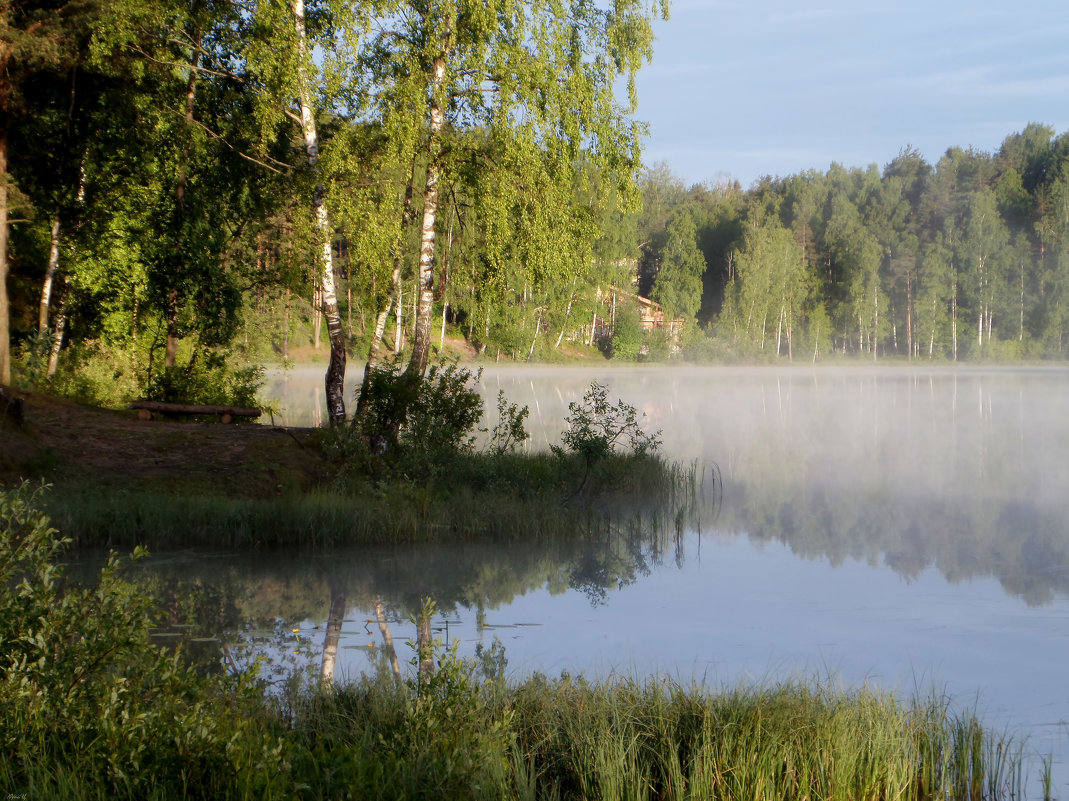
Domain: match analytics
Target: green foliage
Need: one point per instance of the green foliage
(509, 431)
(97, 373)
(31, 361)
(89, 708)
(573, 738)
(627, 335)
(596, 428)
(678, 283)
(418, 424)
(658, 345)
(84, 693)
(208, 380)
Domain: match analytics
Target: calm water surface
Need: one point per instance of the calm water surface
(909, 528)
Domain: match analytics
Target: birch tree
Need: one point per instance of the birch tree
(538, 80)
(771, 284)
(292, 86)
(985, 252)
(335, 377)
(33, 38)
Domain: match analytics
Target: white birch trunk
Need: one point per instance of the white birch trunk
(58, 332)
(441, 340)
(534, 339)
(399, 331)
(779, 332)
(335, 377)
(875, 316)
(50, 274)
(954, 322)
(421, 335)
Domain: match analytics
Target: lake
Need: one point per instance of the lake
(906, 527)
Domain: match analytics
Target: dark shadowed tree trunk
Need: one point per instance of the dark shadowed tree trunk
(5, 330)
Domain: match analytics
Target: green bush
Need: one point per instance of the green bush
(89, 706)
(411, 425)
(31, 360)
(597, 428)
(207, 380)
(658, 345)
(627, 335)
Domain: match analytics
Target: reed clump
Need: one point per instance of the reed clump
(569, 738)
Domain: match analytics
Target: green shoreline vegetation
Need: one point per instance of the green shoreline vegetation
(91, 708)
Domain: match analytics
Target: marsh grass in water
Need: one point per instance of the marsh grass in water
(499, 497)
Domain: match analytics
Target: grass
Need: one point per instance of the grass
(572, 739)
(524, 496)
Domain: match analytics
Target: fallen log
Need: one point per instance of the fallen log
(225, 413)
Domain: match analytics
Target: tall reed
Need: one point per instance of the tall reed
(621, 739)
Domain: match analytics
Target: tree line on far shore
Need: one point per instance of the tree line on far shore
(967, 258)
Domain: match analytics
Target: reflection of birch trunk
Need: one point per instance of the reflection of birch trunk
(332, 637)
(387, 638)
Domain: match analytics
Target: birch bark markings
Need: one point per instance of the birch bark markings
(421, 340)
(335, 376)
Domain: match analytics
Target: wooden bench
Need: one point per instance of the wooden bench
(225, 413)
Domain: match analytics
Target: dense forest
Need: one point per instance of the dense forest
(190, 188)
(963, 259)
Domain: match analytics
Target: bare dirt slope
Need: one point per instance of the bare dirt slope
(65, 442)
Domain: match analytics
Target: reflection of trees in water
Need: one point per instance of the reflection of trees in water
(1024, 545)
(961, 470)
(239, 599)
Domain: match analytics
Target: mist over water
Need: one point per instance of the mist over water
(907, 527)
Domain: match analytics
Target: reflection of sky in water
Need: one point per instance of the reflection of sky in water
(956, 474)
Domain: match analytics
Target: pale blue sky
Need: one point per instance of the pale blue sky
(772, 87)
